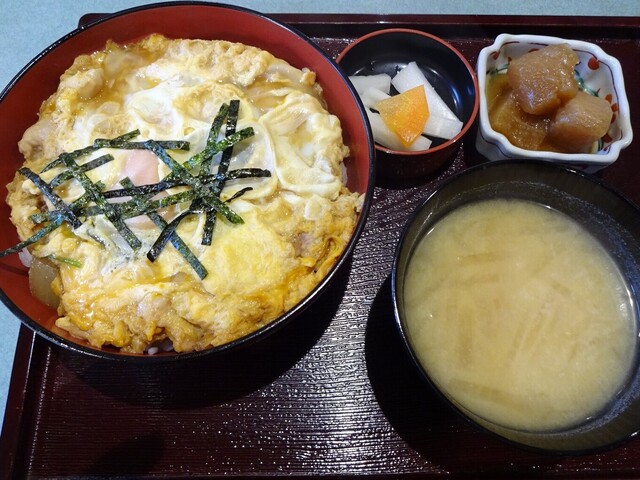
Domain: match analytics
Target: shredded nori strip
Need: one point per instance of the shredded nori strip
(168, 145)
(211, 203)
(245, 173)
(134, 190)
(210, 215)
(131, 209)
(106, 207)
(239, 193)
(59, 162)
(55, 200)
(200, 188)
(206, 197)
(76, 206)
(161, 223)
(168, 183)
(67, 174)
(203, 188)
(219, 146)
(167, 232)
(214, 132)
(56, 221)
(39, 235)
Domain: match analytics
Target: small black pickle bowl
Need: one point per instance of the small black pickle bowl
(608, 216)
(447, 70)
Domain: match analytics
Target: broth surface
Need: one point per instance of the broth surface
(519, 315)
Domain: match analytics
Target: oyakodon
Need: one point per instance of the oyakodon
(296, 215)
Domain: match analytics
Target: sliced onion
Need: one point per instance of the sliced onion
(25, 257)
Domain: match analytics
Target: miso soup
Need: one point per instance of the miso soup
(519, 315)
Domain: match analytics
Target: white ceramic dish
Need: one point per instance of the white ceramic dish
(597, 72)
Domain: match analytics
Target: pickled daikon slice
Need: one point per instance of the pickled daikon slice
(380, 81)
(411, 76)
(386, 137)
(436, 126)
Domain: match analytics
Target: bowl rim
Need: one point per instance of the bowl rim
(266, 330)
(597, 182)
(502, 142)
(476, 103)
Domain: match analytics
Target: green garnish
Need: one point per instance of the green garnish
(69, 261)
(201, 188)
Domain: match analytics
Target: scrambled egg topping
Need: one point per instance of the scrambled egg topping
(296, 222)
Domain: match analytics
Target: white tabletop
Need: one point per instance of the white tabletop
(28, 27)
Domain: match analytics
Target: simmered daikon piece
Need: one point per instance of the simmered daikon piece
(580, 122)
(522, 129)
(544, 79)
